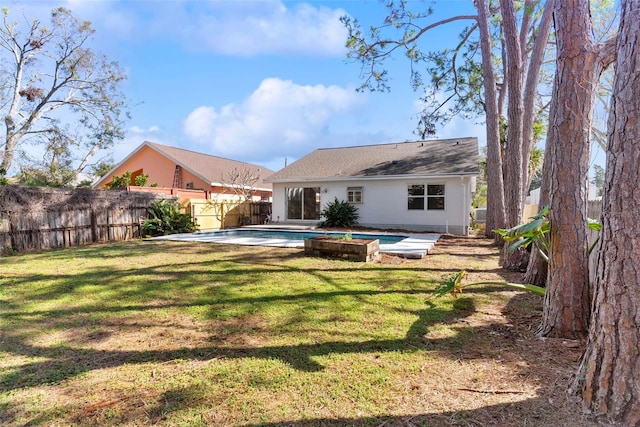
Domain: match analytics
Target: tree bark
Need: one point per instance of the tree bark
(514, 199)
(531, 87)
(537, 269)
(608, 378)
(495, 181)
(566, 309)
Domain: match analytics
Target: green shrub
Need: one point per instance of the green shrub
(120, 181)
(3, 178)
(166, 218)
(339, 214)
(125, 180)
(141, 180)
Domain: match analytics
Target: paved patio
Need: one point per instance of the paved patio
(414, 246)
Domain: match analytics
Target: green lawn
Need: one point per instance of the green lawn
(164, 333)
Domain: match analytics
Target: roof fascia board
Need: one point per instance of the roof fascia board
(370, 178)
(99, 182)
(246, 187)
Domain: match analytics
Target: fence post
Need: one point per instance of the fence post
(94, 225)
(12, 237)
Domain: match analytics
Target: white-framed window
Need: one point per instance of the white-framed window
(432, 193)
(303, 203)
(435, 197)
(415, 199)
(354, 195)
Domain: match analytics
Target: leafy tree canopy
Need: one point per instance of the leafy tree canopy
(57, 94)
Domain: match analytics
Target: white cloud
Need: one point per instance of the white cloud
(280, 118)
(138, 130)
(112, 17)
(273, 29)
(234, 28)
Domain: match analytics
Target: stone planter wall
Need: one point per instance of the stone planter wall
(363, 250)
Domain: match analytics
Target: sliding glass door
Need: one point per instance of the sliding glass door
(303, 203)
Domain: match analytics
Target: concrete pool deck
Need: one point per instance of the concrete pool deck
(414, 246)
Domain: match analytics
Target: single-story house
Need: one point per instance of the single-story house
(417, 186)
(176, 168)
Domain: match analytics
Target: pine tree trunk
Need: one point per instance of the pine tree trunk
(531, 88)
(566, 309)
(537, 269)
(609, 375)
(513, 162)
(495, 182)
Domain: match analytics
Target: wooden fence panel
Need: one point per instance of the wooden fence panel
(217, 215)
(44, 218)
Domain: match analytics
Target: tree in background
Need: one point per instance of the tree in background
(53, 177)
(608, 379)
(475, 78)
(101, 169)
(605, 19)
(56, 168)
(54, 79)
(598, 179)
(536, 160)
(241, 182)
(480, 196)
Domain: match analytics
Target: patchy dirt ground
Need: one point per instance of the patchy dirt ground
(506, 335)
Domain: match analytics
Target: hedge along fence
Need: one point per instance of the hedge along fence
(35, 218)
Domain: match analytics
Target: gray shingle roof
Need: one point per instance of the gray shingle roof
(208, 167)
(456, 156)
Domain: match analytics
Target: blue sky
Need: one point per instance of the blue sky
(256, 81)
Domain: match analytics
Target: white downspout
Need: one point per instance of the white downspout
(465, 207)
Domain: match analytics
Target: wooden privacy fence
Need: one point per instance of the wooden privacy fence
(34, 218)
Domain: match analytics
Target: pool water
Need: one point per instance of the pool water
(301, 235)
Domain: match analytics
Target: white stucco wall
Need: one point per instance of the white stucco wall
(385, 203)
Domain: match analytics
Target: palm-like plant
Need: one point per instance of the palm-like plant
(166, 218)
(339, 214)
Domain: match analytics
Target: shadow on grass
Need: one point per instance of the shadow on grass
(152, 281)
(62, 361)
(59, 363)
(536, 409)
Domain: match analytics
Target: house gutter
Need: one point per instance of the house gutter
(370, 178)
(244, 187)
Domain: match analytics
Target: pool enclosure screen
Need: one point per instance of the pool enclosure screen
(303, 203)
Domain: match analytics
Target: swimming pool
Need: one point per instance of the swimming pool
(407, 245)
(301, 235)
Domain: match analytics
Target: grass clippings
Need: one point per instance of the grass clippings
(165, 333)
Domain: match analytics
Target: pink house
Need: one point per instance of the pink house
(185, 171)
